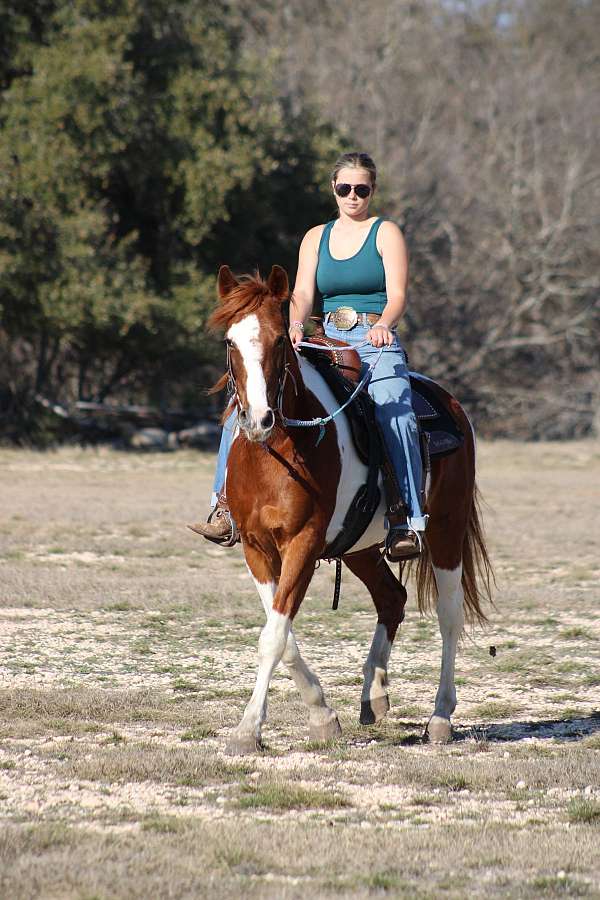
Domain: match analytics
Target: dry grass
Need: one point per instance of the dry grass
(119, 683)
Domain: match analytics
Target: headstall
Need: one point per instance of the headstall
(283, 376)
(321, 421)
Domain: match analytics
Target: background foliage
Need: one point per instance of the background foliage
(145, 142)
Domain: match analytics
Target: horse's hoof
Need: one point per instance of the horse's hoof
(328, 731)
(439, 730)
(374, 710)
(242, 745)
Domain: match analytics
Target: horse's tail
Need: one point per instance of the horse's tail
(477, 571)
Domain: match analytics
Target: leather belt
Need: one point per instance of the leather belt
(345, 318)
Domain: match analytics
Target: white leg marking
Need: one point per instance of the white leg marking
(271, 646)
(266, 592)
(309, 686)
(451, 620)
(320, 715)
(245, 335)
(376, 664)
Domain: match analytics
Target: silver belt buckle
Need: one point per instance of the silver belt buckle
(344, 318)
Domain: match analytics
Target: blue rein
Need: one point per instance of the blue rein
(322, 421)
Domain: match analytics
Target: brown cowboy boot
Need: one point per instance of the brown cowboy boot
(219, 527)
(402, 544)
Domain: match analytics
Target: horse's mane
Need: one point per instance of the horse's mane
(250, 293)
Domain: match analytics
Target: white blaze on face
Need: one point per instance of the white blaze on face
(245, 335)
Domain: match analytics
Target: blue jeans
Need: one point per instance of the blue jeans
(389, 386)
(228, 435)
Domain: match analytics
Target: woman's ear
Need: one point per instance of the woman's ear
(278, 283)
(226, 282)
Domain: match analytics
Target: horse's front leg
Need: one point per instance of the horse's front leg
(323, 720)
(451, 617)
(271, 645)
(281, 601)
(389, 597)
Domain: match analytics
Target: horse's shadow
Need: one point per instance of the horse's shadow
(574, 729)
(543, 729)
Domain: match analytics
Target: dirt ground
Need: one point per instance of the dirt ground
(128, 651)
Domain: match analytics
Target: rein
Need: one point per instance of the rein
(322, 421)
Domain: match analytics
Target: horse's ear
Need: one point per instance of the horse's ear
(226, 281)
(278, 283)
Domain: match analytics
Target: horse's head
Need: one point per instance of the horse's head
(250, 313)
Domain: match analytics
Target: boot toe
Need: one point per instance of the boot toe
(218, 532)
(402, 545)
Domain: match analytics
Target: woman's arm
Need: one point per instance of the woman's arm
(303, 295)
(392, 247)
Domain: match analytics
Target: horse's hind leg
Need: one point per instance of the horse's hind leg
(451, 618)
(389, 597)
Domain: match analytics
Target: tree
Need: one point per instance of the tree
(140, 148)
(485, 119)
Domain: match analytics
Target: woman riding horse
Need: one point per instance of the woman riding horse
(359, 264)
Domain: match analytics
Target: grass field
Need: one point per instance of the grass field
(128, 651)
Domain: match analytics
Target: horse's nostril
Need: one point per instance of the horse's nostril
(243, 417)
(268, 420)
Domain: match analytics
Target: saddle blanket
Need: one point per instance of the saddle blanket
(435, 419)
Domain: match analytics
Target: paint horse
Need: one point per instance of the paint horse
(289, 495)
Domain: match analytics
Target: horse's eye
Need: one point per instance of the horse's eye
(280, 340)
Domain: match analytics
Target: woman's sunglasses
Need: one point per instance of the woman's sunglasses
(361, 190)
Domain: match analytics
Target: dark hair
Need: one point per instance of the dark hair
(355, 160)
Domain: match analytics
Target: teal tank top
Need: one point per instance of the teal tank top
(358, 281)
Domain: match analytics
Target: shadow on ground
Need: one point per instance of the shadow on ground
(556, 729)
(499, 732)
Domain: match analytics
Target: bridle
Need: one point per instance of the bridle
(232, 391)
(286, 371)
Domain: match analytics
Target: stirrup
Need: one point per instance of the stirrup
(221, 505)
(412, 552)
(226, 540)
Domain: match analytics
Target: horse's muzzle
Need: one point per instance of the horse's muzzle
(255, 430)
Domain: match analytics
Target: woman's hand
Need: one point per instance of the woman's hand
(380, 335)
(296, 333)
